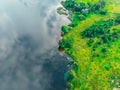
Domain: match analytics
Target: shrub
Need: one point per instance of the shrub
(68, 76)
(65, 29)
(103, 12)
(98, 29)
(117, 20)
(66, 43)
(89, 43)
(107, 66)
(104, 50)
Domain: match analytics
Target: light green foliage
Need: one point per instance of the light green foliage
(94, 44)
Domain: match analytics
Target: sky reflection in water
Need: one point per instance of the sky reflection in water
(29, 31)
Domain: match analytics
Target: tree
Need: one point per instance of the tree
(65, 29)
(117, 20)
(68, 76)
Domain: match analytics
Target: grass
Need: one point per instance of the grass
(97, 70)
(90, 70)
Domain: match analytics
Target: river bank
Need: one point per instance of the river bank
(92, 41)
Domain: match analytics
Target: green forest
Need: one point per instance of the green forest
(92, 40)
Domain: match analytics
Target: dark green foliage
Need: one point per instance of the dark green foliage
(107, 66)
(95, 45)
(75, 67)
(68, 76)
(79, 7)
(73, 6)
(117, 20)
(102, 12)
(106, 38)
(92, 8)
(109, 23)
(83, 9)
(95, 55)
(104, 50)
(68, 4)
(81, 17)
(66, 43)
(65, 29)
(72, 24)
(99, 5)
(90, 42)
(97, 30)
(110, 37)
(71, 62)
(101, 31)
(77, 18)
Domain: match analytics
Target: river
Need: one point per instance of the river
(29, 34)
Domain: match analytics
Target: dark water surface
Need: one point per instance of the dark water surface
(29, 33)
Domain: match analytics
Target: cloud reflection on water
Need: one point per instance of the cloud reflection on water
(28, 46)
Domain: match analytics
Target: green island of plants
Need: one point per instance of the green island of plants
(92, 40)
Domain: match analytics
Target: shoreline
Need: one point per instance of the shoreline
(83, 45)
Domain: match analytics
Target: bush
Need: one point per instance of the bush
(68, 4)
(117, 20)
(75, 67)
(81, 17)
(107, 66)
(66, 43)
(79, 7)
(104, 50)
(98, 29)
(89, 43)
(65, 29)
(103, 12)
(72, 24)
(68, 76)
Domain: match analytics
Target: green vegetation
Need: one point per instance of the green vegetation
(65, 29)
(92, 40)
(98, 29)
(61, 11)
